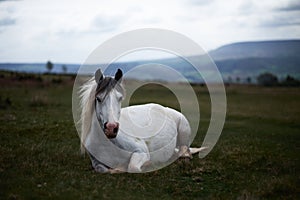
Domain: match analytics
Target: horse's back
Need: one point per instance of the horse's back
(148, 117)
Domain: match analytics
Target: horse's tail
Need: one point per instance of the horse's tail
(87, 96)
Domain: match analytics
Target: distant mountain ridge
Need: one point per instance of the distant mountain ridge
(257, 49)
(249, 59)
(237, 61)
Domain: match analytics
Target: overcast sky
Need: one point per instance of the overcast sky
(67, 31)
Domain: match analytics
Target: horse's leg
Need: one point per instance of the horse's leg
(197, 150)
(98, 166)
(183, 138)
(137, 160)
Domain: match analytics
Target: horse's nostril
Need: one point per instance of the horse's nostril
(111, 129)
(116, 130)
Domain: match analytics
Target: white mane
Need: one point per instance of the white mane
(87, 102)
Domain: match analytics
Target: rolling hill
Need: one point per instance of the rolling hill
(263, 49)
(237, 61)
(249, 59)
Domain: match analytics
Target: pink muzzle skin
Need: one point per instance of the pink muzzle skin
(111, 129)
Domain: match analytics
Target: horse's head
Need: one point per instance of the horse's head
(108, 97)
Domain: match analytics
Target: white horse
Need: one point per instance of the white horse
(133, 139)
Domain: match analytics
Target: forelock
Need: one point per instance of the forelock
(107, 84)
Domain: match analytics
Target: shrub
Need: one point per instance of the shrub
(290, 82)
(267, 79)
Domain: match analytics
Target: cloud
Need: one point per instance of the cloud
(106, 23)
(276, 23)
(276, 20)
(7, 15)
(39, 30)
(7, 21)
(1, 1)
(291, 6)
(199, 2)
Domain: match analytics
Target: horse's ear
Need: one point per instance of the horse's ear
(118, 75)
(98, 75)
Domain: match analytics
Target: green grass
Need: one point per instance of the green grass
(257, 155)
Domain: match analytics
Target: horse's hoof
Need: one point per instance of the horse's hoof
(115, 171)
(134, 169)
(100, 169)
(187, 155)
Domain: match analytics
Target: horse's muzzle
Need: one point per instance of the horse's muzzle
(111, 129)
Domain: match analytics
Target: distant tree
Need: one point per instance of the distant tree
(267, 79)
(238, 79)
(64, 68)
(248, 79)
(49, 66)
(229, 79)
(290, 81)
(289, 78)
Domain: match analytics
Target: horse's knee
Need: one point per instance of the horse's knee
(134, 169)
(137, 160)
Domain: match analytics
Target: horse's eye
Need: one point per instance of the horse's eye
(98, 99)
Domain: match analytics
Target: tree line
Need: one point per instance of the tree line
(267, 79)
(264, 79)
(50, 65)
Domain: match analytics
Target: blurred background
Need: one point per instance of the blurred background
(245, 38)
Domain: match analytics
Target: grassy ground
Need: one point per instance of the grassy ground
(257, 155)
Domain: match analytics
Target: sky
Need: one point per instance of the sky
(68, 31)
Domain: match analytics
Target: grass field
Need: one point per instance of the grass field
(257, 156)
